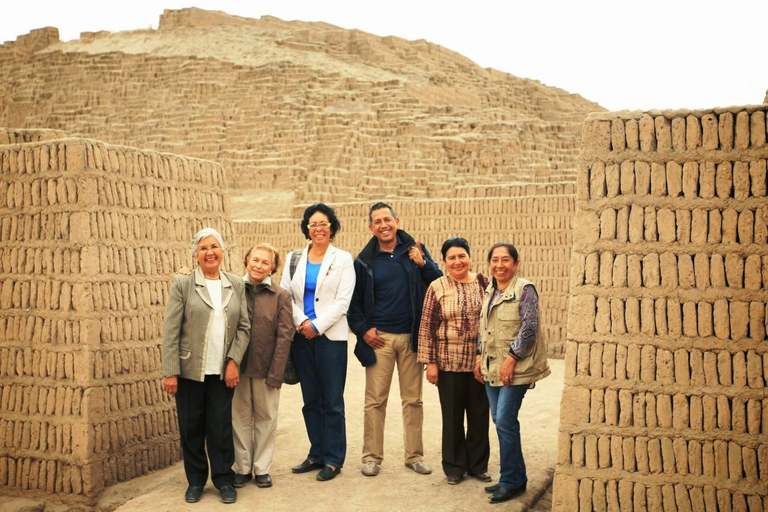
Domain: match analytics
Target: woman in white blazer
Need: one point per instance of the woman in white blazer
(321, 285)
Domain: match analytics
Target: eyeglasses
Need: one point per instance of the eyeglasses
(319, 225)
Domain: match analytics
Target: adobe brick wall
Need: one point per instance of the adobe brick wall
(539, 226)
(664, 406)
(90, 234)
(322, 112)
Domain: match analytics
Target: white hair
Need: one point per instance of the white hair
(205, 232)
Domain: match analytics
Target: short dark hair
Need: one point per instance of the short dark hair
(379, 206)
(455, 241)
(327, 211)
(508, 246)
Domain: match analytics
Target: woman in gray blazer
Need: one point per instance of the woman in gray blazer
(206, 332)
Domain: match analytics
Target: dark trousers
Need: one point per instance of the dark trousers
(205, 417)
(460, 393)
(322, 367)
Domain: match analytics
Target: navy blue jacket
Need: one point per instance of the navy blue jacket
(360, 314)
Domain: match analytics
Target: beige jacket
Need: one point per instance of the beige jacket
(187, 320)
(497, 331)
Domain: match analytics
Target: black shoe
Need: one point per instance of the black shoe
(492, 488)
(263, 481)
(228, 494)
(506, 493)
(328, 473)
(305, 466)
(241, 480)
(483, 477)
(193, 494)
(455, 480)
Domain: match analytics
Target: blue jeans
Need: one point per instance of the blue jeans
(322, 367)
(505, 404)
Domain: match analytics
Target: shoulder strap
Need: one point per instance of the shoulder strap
(295, 257)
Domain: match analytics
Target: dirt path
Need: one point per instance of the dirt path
(395, 488)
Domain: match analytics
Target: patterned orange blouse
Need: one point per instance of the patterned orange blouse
(449, 323)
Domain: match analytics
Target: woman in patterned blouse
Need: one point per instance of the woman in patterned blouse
(447, 344)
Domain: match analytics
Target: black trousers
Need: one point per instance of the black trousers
(205, 417)
(460, 393)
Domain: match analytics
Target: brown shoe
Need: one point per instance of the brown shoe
(263, 481)
(455, 480)
(483, 477)
(241, 480)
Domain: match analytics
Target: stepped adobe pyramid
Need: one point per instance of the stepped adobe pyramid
(298, 112)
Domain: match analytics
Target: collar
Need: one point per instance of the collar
(396, 250)
(509, 291)
(369, 252)
(266, 283)
(200, 278)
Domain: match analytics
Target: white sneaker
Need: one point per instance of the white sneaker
(420, 467)
(370, 468)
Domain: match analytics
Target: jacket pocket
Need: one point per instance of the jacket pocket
(184, 354)
(509, 313)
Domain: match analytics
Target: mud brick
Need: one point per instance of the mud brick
(738, 415)
(710, 139)
(757, 178)
(585, 494)
(659, 178)
(694, 462)
(709, 405)
(612, 180)
(663, 127)
(604, 452)
(725, 130)
(741, 139)
(627, 178)
(647, 134)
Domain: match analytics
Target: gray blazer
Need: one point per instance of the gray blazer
(187, 320)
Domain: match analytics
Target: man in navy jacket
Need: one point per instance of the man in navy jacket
(392, 271)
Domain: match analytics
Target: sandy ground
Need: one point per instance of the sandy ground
(395, 488)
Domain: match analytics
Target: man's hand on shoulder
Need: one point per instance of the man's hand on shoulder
(372, 338)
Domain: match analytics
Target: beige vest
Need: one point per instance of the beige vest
(497, 330)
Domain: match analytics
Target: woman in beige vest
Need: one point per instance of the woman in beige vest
(512, 356)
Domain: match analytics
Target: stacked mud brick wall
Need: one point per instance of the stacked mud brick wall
(539, 226)
(337, 115)
(90, 235)
(664, 405)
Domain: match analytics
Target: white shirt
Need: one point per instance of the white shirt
(214, 358)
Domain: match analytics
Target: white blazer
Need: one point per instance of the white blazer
(335, 284)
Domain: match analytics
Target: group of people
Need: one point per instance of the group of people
(228, 340)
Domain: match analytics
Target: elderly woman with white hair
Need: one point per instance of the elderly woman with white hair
(206, 332)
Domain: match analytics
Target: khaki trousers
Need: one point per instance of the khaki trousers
(254, 422)
(378, 379)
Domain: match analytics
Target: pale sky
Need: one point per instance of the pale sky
(654, 54)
